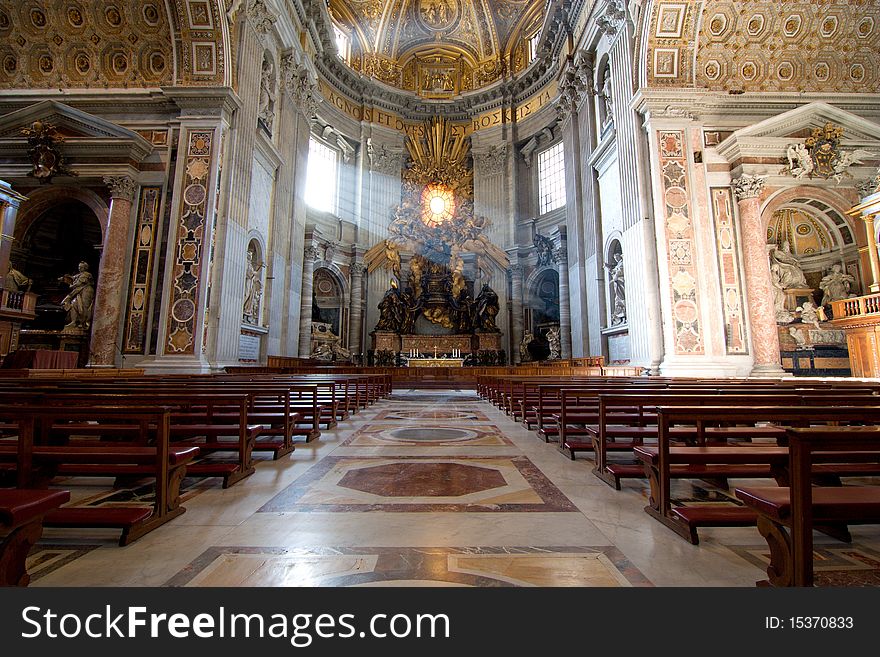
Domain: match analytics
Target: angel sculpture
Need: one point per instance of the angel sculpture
(800, 162)
(848, 159)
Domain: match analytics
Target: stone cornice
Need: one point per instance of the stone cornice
(204, 102)
(733, 109)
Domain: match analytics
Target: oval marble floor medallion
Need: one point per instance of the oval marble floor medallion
(431, 434)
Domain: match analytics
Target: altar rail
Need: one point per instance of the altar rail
(445, 377)
(589, 361)
(856, 307)
(19, 306)
(859, 317)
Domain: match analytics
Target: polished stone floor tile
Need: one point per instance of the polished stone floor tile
(462, 484)
(354, 566)
(426, 488)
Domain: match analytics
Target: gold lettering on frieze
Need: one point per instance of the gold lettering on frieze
(482, 122)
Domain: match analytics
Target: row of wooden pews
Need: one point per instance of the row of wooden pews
(155, 430)
(663, 429)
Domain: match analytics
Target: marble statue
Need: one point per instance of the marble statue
(799, 337)
(267, 94)
(787, 266)
(15, 281)
(810, 314)
(617, 287)
(80, 299)
(836, 284)
(555, 343)
(607, 98)
(782, 314)
(524, 354)
(253, 291)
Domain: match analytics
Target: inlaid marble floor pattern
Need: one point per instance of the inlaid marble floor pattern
(426, 488)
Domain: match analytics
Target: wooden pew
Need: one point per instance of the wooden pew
(614, 433)
(703, 460)
(786, 516)
(163, 463)
(21, 518)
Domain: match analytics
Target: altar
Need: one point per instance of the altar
(435, 362)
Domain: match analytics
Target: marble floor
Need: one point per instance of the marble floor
(426, 488)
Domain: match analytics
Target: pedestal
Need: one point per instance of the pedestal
(810, 351)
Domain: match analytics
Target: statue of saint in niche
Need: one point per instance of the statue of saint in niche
(253, 290)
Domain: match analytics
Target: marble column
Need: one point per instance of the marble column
(109, 295)
(305, 315)
(516, 311)
(564, 301)
(760, 293)
(356, 309)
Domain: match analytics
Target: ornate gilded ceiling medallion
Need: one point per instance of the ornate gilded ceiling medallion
(438, 15)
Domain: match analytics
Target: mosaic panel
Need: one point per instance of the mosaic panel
(459, 484)
(728, 266)
(683, 274)
(186, 281)
(142, 270)
(396, 566)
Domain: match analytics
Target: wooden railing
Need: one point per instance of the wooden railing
(856, 307)
(18, 305)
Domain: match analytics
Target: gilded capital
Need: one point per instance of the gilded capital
(747, 186)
